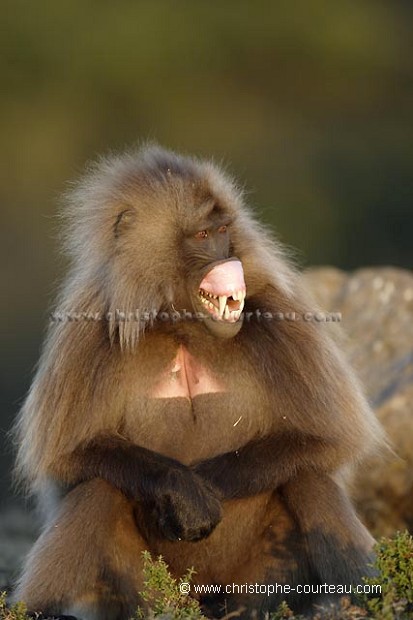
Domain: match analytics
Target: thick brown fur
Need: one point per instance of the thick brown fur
(245, 484)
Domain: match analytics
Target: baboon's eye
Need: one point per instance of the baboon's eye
(222, 229)
(123, 219)
(202, 234)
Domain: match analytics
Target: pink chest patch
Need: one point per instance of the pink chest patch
(186, 378)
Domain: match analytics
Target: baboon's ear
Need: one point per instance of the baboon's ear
(124, 220)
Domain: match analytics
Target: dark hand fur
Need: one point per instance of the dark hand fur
(175, 499)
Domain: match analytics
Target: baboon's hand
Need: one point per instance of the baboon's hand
(183, 506)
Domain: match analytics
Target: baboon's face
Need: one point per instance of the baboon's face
(215, 278)
(177, 235)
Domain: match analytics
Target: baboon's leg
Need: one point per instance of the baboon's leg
(309, 535)
(87, 563)
(340, 547)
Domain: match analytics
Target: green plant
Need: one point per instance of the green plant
(162, 592)
(394, 563)
(283, 613)
(16, 612)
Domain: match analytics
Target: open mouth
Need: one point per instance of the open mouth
(226, 308)
(222, 291)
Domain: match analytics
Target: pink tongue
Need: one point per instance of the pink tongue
(224, 279)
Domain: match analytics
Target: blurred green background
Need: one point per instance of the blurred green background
(310, 102)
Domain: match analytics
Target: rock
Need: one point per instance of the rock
(377, 316)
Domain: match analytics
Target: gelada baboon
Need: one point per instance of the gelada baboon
(170, 413)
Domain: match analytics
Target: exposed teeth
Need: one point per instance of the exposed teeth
(223, 310)
(238, 295)
(203, 293)
(222, 304)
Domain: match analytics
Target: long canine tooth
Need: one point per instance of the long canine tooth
(227, 313)
(241, 305)
(222, 304)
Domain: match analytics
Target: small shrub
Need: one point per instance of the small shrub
(162, 593)
(284, 613)
(16, 612)
(395, 565)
